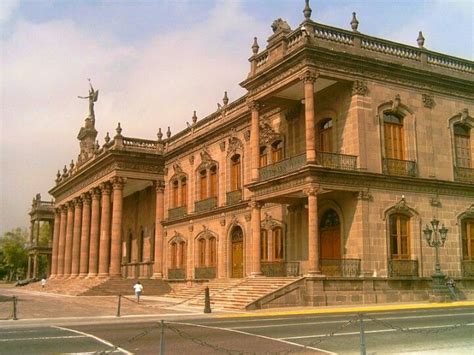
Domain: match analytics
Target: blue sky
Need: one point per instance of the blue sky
(155, 62)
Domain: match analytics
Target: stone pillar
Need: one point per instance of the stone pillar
(104, 242)
(32, 230)
(85, 234)
(309, 77)
(38, 225)
(255, 139)
(95, 233)
(313, 235)
(28, 272)
(222, 254)
(76, 240)
(62, 240)
(35, 265)
(54, 253)
(69, 236)
(256, 238)
(159, 216)
(116, 244)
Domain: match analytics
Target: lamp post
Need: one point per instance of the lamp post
(436, 237)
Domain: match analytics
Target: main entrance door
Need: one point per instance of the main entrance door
(237, 238)
(330, 244)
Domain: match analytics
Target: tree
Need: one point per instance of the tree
(13, 254)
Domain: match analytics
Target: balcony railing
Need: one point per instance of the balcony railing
(468, 268)
(336, 161)
(137, 269)
(205, 205)
(399, 167)
(177, 212)
(341, 267)
(283, 167)
(204, 273)
(176, 274)
(464, 174)
(277, 268)
(233, 197)
(403, 268)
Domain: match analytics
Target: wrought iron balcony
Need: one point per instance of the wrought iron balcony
(233, 197)
(464, 174)
(280, 268)
(336, 161)
(467, 268)
(341, 267)
(204, 273)
(282, 167)
(177, 212)
(403, 268)
(399, 167)
(176, 274)
(205, 205)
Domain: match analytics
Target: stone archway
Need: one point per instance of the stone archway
(237, 254)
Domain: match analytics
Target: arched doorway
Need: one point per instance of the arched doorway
(237, 240)
(330, 235)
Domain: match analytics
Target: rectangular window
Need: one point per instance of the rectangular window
(393, 141)
(213, 173)
(184, 193)
(203, 185)
(399, 237)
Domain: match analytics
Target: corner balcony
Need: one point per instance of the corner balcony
(205, 205)
(399, 167)
(336, 161)
(464, 175)
(282, 167)
(403, 268)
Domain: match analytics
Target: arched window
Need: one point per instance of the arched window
(399, 236)
(203, 184)
(393, 136)
(182, 255)
(202, 252)
(325, 135)
(235, 173)
(263, 245)
(467, 233)
(184, 192)
(263, 156)
(174, 255)
(277, 244)
(175, 193)
(213, 181)
(212, 252)
(277, 151)
(462, 145)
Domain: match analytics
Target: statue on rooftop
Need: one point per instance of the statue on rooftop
(93, 96)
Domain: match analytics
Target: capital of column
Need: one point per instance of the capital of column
(311, 190)
(159, 185)
(105, 188)
(118, 182)
(254, 105)
(255, 204)
(70, 205)
(63, 208)
(95, 193)
(86, 198)
(77, 202)
(57, 211)
(309, 76)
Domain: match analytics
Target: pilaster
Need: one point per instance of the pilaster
(104, 241)
(85, 234)
(76, 241)
(116, 243)
(95, 233)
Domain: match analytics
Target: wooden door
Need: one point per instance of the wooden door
(237, 259)
(330, 244)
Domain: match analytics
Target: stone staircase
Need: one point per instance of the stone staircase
(72, 287)
(243, 292)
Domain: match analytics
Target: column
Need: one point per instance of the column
(309, 77)
(76, 239)
(28, 273)
(35, 265)
(313, 235)
(104, 242)
(95, 233)
(54, 254)
(69, 236)
(116, 244)
(62, 240)
(85, 234)
(256, 241)
(38, 225)
(32, 230)
(159, 215)
(255, 139)
(222, 247)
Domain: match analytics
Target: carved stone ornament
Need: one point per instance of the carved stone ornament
(280, 25)
(178, 238)
(396, 103)
(233, 220)
(311, 190)
(253, 105)
(247, 135)
(118, 182)
(234, 145)
(469, 213)
(222, 221)
(464, 115)
(309, 76)
(191, 159)
(359, 87)
(269, 223)
(428, 100)
(363, 195)
(159, 185)
(401, 206)
(248, 217)
(222, 146)
(267, 133)
(205, 156)
(435, 201)
(177, 168)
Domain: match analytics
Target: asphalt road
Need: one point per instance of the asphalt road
(434, 331)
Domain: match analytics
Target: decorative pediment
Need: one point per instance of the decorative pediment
(267, 133)
(177, 169)
(269, 222)
(206, 160)
(428, 100)
(235, 144)
(177, 238)
(469, 213)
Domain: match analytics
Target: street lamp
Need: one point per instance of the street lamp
(436, 237)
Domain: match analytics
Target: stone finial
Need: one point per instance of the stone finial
(225, 100)
(168, 132)
(464, 115)
(194, 118)
(118, 130)
(354, 22)
(255, 46)
(307, 10)
(71, 166)
(58, 176)
(96, 145)
(64, 171)
(107, 138)
(159, 135)
(420, 40)
(396, 102)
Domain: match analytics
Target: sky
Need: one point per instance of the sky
(154, 63)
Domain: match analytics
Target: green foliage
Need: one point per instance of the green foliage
(13, 254)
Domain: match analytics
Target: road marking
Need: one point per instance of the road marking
(105, 342)
(254, 335)
(344, 321)
(373, 331)
(44, 338)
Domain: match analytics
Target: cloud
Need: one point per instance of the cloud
(7, 7)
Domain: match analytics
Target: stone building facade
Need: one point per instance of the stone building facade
(343, 149)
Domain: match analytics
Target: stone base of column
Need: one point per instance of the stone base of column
(73, 276)
(51, 277)
(314, 273)
(82, 276)
(91, 275)
(103, 276)
(115, 276)
(256, 274)
(157, 275)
